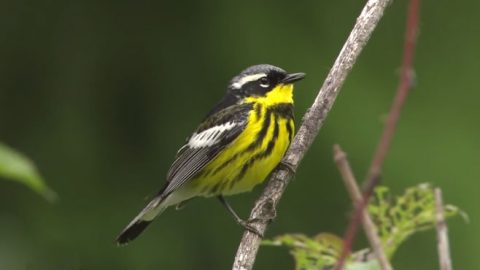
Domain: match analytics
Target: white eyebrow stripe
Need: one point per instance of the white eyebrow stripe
(249, 78)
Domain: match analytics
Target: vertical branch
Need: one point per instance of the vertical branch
(442, 233)
(405, 83)
(312, 121)
(356, 195)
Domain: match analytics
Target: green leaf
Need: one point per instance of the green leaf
(17, 167)
(397, 218)
(310, 253)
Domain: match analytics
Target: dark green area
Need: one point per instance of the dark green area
(100, 94)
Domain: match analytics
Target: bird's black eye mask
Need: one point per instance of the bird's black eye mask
(260, 86)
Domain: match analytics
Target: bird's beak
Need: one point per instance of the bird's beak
(292, 77)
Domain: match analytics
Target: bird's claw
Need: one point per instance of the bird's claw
(288, 166)
(246, 224)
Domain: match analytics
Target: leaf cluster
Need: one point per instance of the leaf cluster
(396, 218)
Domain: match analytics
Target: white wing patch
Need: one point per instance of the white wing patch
(209, 136)
(249, 78)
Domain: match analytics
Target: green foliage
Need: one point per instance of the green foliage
(399, 218)
(396, 219)
(310, 253)
(17, 167)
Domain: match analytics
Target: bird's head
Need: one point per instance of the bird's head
(264, 83)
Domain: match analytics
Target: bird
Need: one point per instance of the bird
(237, 145)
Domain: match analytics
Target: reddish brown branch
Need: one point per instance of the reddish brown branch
(405, 83)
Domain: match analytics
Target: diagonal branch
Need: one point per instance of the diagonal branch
(406, 82)
(356, 195)
(314, 118)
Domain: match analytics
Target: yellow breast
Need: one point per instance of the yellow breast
(249, 159)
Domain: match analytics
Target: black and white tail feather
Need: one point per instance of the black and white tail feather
(142, 220)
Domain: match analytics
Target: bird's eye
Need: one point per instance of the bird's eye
(264, 82)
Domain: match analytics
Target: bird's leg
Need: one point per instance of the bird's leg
(244, 223)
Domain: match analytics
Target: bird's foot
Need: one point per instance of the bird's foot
(247, 225)
(288, 166)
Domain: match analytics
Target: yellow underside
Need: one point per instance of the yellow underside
(215, 179)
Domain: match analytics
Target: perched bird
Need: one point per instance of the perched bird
(240, 141)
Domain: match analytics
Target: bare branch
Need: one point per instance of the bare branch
(314, 118)
(373, 176)
(442, 233)
(405, 83)
(369, 227)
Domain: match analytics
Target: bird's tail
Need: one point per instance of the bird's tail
(142, 220)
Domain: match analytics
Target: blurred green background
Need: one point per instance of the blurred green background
(100, 94)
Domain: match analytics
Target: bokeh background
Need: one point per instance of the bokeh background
(100, 94)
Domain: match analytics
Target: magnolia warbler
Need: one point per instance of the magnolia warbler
(240, 141)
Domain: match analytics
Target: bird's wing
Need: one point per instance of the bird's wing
(205, 144)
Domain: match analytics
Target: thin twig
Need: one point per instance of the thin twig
(373, 176)
(314, 118)
(442, 233)
(369, 227)
(404, 86)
